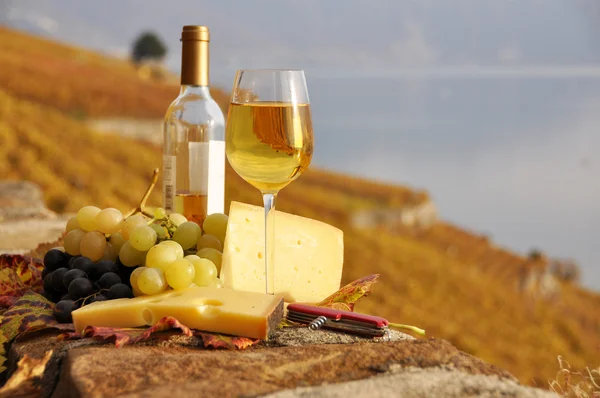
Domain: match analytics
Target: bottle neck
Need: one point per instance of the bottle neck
(194, 63)
(190, 89)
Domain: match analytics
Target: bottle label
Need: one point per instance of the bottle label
(169, 175)
(207, 173)
(198, 167)
(216, 177)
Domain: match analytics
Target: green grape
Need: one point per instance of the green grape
(216, 224)
(213, 255)
(160, 256)
(131, 257)
(180, 274)
(142, 238)
(160, 213)
(161, 232)
(206, 271)
(218, 283)
(131, 223)
(208, 240)
(177, 218)
(151, 281)
(86, 217)
(187, 234)
(133, 278)
(192, 257)
(92, 245)
(109, 220)
(73, 241)
(72, 224)
(110, 253)
(176, 246)
(117, 241)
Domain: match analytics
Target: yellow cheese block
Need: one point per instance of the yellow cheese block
(204, 308)
(309, 254)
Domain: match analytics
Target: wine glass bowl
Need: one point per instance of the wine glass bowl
(269, 138)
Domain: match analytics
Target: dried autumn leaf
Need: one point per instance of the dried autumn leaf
(31, 312)
(26, 380)
(27, 270)
(346, 297)
(216, 340)
(124, 336)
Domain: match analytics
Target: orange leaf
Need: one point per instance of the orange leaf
(30, 313)
(18, 274)
(216, 340)
(26, 381)
(346, 297)
(123, 336)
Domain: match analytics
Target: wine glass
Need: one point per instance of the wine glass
(269, 138)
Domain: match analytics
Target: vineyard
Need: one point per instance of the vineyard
(81, 83)
(456, 284)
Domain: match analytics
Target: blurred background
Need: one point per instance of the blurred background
(464, 131)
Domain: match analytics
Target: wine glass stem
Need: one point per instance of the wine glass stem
(269, 202)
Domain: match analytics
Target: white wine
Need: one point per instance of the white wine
(194, 146)
(192, 206)
(269, 144)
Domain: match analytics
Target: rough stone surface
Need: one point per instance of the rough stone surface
(180, 371)
(20, 199)
(295, 337)
(24, 220)
(418, 383)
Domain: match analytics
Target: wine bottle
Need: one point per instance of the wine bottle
(194, 137)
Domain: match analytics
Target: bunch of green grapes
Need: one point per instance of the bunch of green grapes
(192, 257)
(164, 251)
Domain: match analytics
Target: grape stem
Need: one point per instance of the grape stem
(413, 329)
(142, 204)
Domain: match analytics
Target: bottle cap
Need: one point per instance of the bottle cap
(195, 33)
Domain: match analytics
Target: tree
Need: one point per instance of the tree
(148, 46)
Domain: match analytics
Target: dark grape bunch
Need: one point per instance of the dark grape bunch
(74, 281)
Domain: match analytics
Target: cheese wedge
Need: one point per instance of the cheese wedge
(308, 261)
(211, 309)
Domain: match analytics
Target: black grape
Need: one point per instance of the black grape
(80, 287)
(72, 274)
(45, 273)
(84, 264)
(124, 273)
(120, 290)
(109, 279)
(55, 259)
(100, 268)
(98, 297)
(63, 309)
(107, 266)
(66, 297)
(57, 280)
(72, 259)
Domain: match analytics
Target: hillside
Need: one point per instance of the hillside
(452, 282)
(79, 82)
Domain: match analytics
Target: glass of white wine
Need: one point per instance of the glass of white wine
(269, 139)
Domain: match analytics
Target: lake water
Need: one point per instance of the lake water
(516, 158)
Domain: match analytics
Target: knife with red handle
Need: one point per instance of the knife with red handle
(344, 321)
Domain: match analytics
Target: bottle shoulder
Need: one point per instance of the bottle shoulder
(195, 109)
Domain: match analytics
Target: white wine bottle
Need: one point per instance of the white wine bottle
(194, 137)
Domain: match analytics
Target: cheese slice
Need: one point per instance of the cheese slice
(308, 257)
(204, 308)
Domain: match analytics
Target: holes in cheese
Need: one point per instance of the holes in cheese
(225, 311)
(309, 254)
